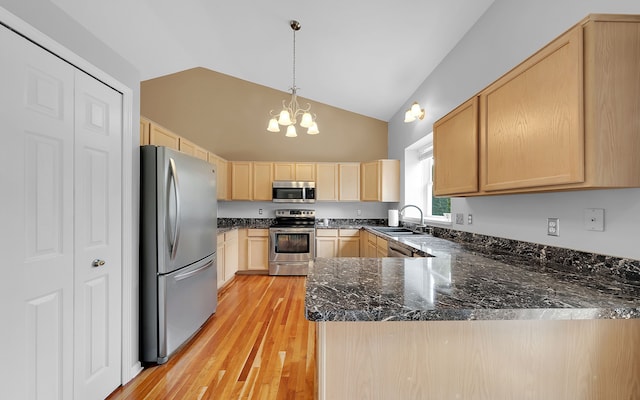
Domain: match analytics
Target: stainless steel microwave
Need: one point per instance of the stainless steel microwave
(294, 192)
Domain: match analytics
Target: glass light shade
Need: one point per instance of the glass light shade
(415, 109)
(313, 129)
(306, 121)
(409, 117)
(285, 118)
(291, 131)
(273, 125)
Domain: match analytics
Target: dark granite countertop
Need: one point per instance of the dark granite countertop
(458, 284)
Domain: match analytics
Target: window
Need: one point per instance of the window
(419, 182)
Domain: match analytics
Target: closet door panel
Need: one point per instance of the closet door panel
(98, 139)
(36, 120)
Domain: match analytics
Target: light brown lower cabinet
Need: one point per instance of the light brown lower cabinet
(227, 256)
(348, 242)
(337, 242)
(258, 249)
(536, 359)
(326, 243)
(381, 247)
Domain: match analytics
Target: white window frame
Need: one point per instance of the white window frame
(419, 181)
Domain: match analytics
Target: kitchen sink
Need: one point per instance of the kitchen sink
(395, 231)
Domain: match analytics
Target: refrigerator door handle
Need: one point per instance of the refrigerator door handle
(185, 275)
(176, 230)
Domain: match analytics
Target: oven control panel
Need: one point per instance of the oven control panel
(295, 213)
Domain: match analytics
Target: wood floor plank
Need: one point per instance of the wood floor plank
(258, 345)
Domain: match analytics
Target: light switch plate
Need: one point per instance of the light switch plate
(594, 219)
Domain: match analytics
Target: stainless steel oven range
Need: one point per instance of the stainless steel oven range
(292, 242)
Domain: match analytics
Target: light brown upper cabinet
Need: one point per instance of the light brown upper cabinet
(160, 136)
(241, 180)
(192, 149)
(326, 181)
(380, 180)
(284, 171)
(289, 171)
(262, 180)
(349, 181)
(145, 124)
(455, 151)
(566, 118)
(222, 175)
(306, 172)
(251, 180)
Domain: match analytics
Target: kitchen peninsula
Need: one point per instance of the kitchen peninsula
(462, 325)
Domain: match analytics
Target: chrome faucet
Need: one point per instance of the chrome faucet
(421, 223)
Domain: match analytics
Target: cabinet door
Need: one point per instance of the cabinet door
(262, 180)
(326, 243)
(241, 185)
(348, 247)
(455, 151)
(369, 181)
(381, 247)
(220, 259)
(327, 182)
(305, 172)
(532, 130)
(200, 153)
(230, 254)
(326, 247)
(163, 137)
(284, 171)
(144, 131)
(222, 175)
(258, 249)
(186, 146)
(349, 181)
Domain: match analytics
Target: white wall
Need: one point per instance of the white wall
(505, 35)
(54, 23)
(349, 210)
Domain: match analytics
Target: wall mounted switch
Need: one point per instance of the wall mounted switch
(594, 219)
(553, 226)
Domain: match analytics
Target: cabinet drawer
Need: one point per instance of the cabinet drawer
(258, 232)
(349, 232)
(326, 233)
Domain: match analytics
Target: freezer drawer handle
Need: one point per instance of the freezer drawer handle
(97, 263)
(185, 275)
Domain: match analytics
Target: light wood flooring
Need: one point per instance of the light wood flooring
(258, 345)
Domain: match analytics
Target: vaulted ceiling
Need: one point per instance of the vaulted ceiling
(364, 56)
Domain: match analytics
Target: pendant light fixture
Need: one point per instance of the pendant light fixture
(291, 112)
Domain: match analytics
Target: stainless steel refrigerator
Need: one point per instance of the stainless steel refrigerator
(178, 217)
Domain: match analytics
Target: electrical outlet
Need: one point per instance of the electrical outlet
(594, 219)
(260, 211)
(460, 218)
(359, 212)
(469, 219)
(553, 226)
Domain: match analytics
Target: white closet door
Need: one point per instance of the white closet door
(36, 242)
(61, 148)
(98, 133)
